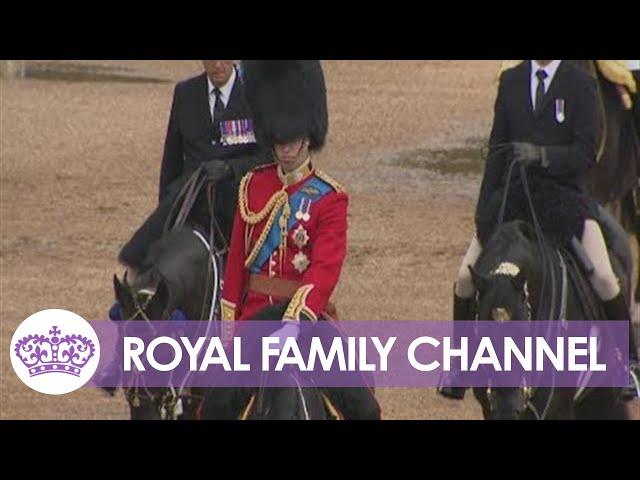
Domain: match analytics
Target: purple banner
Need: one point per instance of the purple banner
(363, 353)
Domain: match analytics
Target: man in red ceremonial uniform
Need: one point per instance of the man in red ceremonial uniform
(289, 237)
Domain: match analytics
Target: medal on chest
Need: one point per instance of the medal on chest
(300, 237)
(301, 262)
(304, 210)
(560, 112)
(237, 132)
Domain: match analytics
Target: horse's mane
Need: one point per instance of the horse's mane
(500, 246)
(175, 259)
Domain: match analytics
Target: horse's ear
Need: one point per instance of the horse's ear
(123, 294)
(160, 303)
(478, 280)
(118, 288)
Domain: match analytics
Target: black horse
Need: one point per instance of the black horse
(182, 276)
(520, 296)
(269, 403)
(614, 181)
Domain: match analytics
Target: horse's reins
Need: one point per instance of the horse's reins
(187, 198)
(183, 204)
(547, 267)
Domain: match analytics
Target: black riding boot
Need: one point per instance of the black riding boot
(617, 309)
(464, 309)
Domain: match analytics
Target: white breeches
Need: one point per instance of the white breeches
(604, 281)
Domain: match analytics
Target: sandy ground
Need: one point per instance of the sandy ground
(79, 171)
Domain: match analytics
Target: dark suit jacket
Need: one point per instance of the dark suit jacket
(570, 144)
(190, 143)
(636, 100)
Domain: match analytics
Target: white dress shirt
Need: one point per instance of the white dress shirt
(550, 69)
(225, 92)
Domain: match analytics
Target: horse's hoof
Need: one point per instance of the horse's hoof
(453, 393)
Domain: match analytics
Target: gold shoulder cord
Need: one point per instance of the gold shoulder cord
(279, 200)
(330, 180)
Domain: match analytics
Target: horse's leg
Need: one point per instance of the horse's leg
(551, 404)
(631, 221)
(315, 402)
(146, 411)
(481, 396)
(602, 404)
(637, 232)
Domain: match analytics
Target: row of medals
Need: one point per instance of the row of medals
(301, 237)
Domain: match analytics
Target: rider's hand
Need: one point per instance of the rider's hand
(218, 170)
(288, 330)
(529, 154)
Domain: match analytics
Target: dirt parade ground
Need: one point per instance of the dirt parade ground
(81, 145)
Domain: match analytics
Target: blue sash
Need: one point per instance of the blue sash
(311, 191)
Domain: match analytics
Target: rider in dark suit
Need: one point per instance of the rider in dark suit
(210, 124)
(546, 118)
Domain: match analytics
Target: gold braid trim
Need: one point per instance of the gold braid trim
(279, 200)
(298, 305)
(330, 180)
(228, 310)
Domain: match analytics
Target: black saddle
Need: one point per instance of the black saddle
(570, 266)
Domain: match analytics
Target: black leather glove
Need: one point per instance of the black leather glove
(529, 154)
(218, 171)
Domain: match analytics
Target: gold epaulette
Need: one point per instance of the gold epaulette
(331, 181)
(616, 71)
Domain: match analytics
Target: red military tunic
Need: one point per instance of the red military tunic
(308, 260)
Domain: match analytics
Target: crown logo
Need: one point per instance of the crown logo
(55, 354)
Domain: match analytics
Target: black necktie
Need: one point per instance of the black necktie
(542, 75)
(218, 110)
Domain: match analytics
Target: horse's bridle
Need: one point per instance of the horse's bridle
(167, 400)
(547, 269)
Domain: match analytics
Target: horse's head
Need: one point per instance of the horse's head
(503, 293)
(502, 278)
(505, 272)
(144, 300)
(503, 296)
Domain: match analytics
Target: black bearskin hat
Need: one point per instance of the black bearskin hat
(288, 100)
